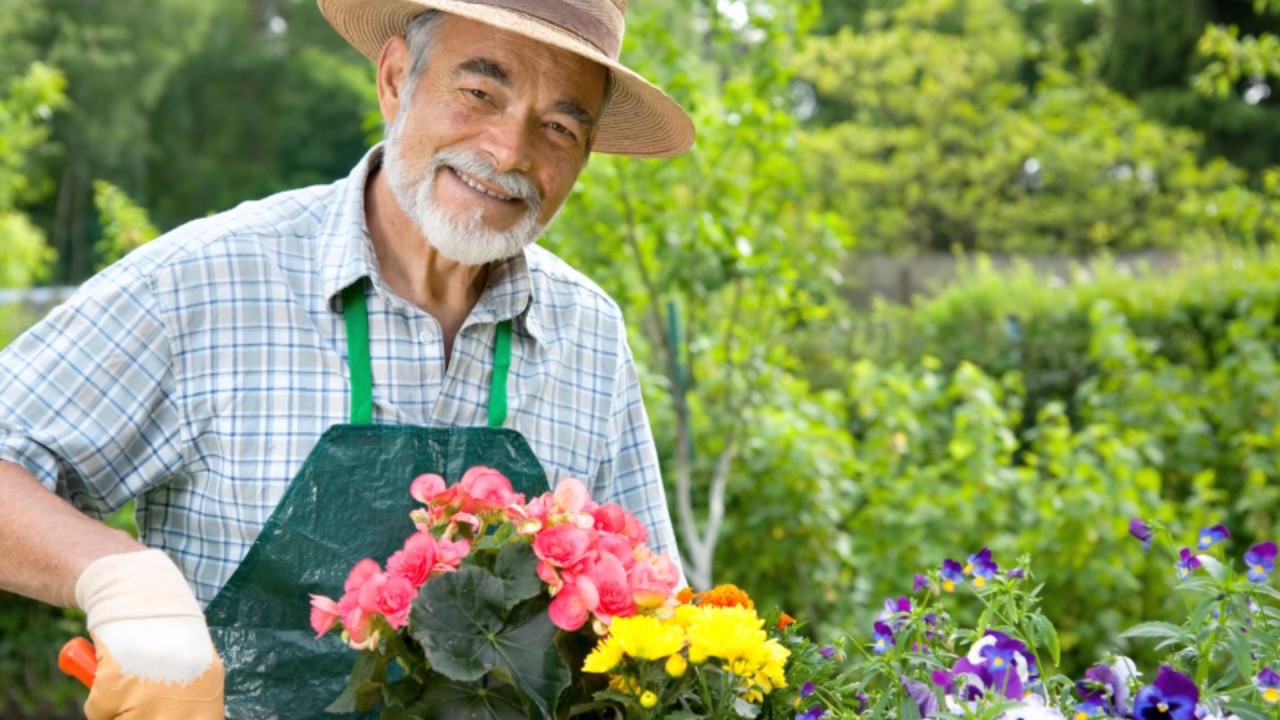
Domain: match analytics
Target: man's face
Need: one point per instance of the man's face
(487, 148)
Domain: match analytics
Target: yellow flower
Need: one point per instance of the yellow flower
(676, 665)
(647, 638)
(605, 657)
(648, 699)
(684, 614)
(730, 633)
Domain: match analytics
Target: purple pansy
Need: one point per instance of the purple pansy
(996, 663)
(884, 638)
(1211, 535)
(827, 651)
(1102, 682)
(922, 695)
(1268, 683)
(952, 574)
(1173, 696)
(894, 606)
(807, 689)
(1142, 531)
(812, 713)
(1261, 561)
(981, 567)
(921, 582)
(1186, 563)
(1016, 574)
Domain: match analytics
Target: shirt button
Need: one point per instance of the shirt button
(424, 336)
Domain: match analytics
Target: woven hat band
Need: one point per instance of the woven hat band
(583, 19)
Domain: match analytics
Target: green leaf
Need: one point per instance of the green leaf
(517, 568)
(1157, 630)
(364, 688)
(455, 618)
(470, 701)
(461, 621)
(907, 708)
(1048, 636)
(1247, 711)
(1241, 653)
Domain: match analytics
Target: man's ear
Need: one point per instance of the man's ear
(393, 72)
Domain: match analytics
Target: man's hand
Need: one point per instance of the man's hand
(155, 657)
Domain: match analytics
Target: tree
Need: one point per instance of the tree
(1235, 58)
(720, 256)
(966, 132)
(25, 110)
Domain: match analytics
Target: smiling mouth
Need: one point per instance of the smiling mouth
(475, 185)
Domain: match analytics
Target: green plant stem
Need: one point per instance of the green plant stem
(1206, 650)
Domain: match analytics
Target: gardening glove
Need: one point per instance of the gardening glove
(156, 660)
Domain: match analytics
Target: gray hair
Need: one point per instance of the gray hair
(420, 35)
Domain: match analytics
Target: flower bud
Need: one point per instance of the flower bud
(648, 700)
(676, 665)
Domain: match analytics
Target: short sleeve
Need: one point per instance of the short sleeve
(86, 395)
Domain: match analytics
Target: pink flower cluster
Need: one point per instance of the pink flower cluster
(594, 558)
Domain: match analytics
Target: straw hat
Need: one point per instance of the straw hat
(640, 119)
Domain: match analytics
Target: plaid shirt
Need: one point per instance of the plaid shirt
(197, 374)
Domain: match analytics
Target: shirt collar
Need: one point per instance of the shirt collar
(348, 256)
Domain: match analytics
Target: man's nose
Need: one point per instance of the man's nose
(509, 142)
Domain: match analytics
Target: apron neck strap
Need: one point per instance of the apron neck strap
(355, 315)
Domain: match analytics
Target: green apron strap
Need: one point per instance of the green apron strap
(501, 367)
(357, 320)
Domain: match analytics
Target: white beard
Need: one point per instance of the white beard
(464, 239)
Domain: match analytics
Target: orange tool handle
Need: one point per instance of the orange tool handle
(79, 660)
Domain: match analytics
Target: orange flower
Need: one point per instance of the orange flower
(685, 596)
(727, 595)
(784, 621)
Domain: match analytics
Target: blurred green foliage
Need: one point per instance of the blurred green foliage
(1174, 417)
(948, 143)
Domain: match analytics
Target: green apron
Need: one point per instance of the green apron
(349, 501)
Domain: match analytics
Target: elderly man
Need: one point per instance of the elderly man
(266, 381)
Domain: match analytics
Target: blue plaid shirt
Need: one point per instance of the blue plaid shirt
(197, 374)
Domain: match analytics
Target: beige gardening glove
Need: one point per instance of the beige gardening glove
(156, 660)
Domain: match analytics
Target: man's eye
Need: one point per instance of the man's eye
(479, 94)
(557, 127)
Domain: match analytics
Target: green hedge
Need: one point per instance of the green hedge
(1124, 397)
(1015, 319)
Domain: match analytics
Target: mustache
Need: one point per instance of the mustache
(513, 183)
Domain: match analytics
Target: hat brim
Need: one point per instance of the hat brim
(640, 120)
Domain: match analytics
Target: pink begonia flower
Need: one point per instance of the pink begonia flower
(567, 610)
(617, 547)
(425, 488)
(571, 496)
(449, 554)
(562, 545)
(389, 596)
(615, 592)
(653, 583)
(324, 613)
(547, 573)
(355, 621)
(359, 574)
(396, 601)
(611, 518)
(588, 591)
(490, 489)
(468, 518)
(415, 561)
